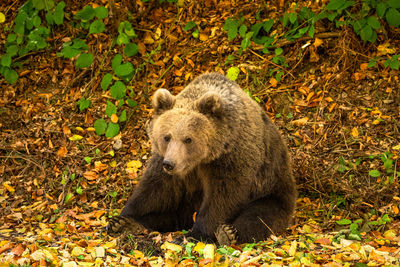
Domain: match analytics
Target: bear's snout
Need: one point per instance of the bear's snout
(168, 165)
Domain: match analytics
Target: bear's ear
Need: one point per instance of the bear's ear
(211, 103)
(162, 101)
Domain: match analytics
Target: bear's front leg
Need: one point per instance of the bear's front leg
(153, 203)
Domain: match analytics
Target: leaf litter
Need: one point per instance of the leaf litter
(60, 182)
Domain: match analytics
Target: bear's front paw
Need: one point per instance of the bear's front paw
(226, 234)
(119, 224)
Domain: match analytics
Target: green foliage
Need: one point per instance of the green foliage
(191, 25)
(384, 162)
(83, 104)
(28, 34)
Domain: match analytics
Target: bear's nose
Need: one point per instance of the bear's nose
(168, 165)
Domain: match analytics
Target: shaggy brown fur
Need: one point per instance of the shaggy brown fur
(215, 152)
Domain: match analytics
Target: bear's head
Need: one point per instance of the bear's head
(183, 133)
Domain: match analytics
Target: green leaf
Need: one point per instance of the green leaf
(231, 25)
(12, 50)
(110, 109)
(374, 173)
(36, 21)
(59, 13)
(372, 63)
(89, 159)
(243, 30)
(366, 33)
(278, 51)
(196, 33)
(311, 31)
(43, 4)
(344, 222)
(190, 25)
(11, 76)
(116, 61)
(124, 69)
(374, 23)
(70, 52)
(112, 129)
(393, 17)
(68, 197)
(122, 117)
(131, 49)
(79, 190)
(335, 4)
(84, 103)
(233, 73)
(293, 17)
(96, 26)
(105, 82)
(101, 12)
(131, 103)
(80, 44)
(87, 13)
(394, 64)
(84, 60)
(6, 60)
(122, 39)
(381, 9)
(394, 3)
(118, 90)
(100, 126)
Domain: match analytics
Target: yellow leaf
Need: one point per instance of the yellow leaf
(75, 137)
(2, 17)
(354, 132)
(199, 246)
(114, 118)
(293, 248)
(208, 251)
(396, 147)
(375, 122)
(171, 246)
(77, 251)
(90, 129)
(8, 187)
(133, 166)
(113, 163)
(80, 129)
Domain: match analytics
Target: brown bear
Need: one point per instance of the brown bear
(214, 153)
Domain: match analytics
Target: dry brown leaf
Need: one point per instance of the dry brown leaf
(90, 175)
(300, 122)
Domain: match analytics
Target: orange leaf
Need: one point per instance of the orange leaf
(62, 151)
(66, 130)
(114, 118)
(273, 82)
(90, 175)
(100, 166)
(18, 250)
(354, 132)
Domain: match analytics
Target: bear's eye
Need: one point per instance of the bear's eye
(167, 138)
(187, 140)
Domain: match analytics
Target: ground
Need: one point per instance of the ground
(60, 182)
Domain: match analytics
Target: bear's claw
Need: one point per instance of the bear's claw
(119, 224)
(226, 234)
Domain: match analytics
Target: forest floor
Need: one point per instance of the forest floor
(60, 182)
